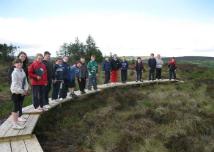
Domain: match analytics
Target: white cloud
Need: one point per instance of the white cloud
(124, 34)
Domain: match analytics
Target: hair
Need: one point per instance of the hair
(78, 62)
(26, 59)
(17, 61)
(152, 54)
(138, 58)
(93, 55)
(39, 54)
(47, 53)
(59, 58)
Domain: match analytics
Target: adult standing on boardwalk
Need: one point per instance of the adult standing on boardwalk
(23, 57)
(152, 67)
(172, 68)
(46, 61)
(107, 70)
(38, 77)
(159, 65)
(124, 70)
(115, 66)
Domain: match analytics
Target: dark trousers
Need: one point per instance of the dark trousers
(172, 74)
(151, 74)
(158, 73)
(92, 82)
(123, 75)
(38, 93)
(139, 76)
(47, 90)
(56, 90)
(82, 83)
(64, 90)
(107, 77)
(17, 103)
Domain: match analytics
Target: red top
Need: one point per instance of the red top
(172, 62)
(37, 69)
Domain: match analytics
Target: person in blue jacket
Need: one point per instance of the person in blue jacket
(124, 70)
(74, 72)
(57, 78)
(152, 66)
(107, 69)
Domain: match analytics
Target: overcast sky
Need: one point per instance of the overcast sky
(125, 27)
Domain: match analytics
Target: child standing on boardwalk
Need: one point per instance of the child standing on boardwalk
(83, 75)
(38, 77)
(19, 88)
(23, 57)
(73, 73)
(92, 73)
(172, 68)
(107, 69)
(58, 78)
(159, 65)
(115, 66)
(152, 67)
(124, 69)
(139, 69)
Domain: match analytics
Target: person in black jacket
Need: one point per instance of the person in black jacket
(24, 59)
(83, 75)
(152, 66)
(106, 65)
(139, 67)
(57, 78)
(115, 66)
(46, 61)
(124, 70)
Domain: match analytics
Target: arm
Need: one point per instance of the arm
(31, 72)
(15, 85)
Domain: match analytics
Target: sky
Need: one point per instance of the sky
(124, 27)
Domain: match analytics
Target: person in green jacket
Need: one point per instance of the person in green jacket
(92, 73)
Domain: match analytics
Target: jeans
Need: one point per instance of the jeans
(38, 95)
(82, 84)
(139, 76)
(158, 73)
(151, 74)
(172, 74)
(123, 75)
(107, 77)
(92, 81)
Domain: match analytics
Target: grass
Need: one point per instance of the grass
(163, 118)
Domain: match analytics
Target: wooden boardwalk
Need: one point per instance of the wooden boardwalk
(24, 141)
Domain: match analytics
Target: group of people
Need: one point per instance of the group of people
(41, 75)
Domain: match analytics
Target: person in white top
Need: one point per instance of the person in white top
(159, 65)
(19, 87)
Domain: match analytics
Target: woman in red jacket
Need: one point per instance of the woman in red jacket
(38, 77)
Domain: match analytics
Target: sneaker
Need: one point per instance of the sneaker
(44, 109)
(18, 127)
(47, 107)
(38, 110)
(73, 95)
(83, 92)
(21, 119)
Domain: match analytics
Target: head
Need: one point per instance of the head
(47, 55)
(107, 59)
(23, 57)
(78, 64)
(138, 59)
(173, 58)
(152, 55)
(115, 56)
(65, 59)
(39, 57)
(124, 58)
(93, 57)
(82, 60)
(158, 56)
(59, 61)
(18, 63)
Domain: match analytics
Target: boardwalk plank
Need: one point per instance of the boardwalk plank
(18, 146)
(5, 147)
(32, 145)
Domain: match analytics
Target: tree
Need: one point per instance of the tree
(78, 49)
(92, 49)
(7, 52)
